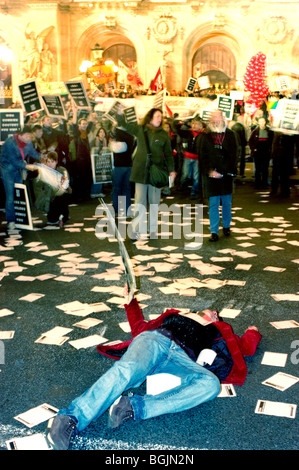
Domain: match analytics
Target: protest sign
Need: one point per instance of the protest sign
(130, 115)
(190, 84)
(116, 108)
(22, 207)
(226, 104)
(101, 165)
(30, 98)
(78, 94)
(54, 106)
(283, 83)
(286, 117)
(11, 122)
(203, 82)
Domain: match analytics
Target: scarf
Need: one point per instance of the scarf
(21, 145)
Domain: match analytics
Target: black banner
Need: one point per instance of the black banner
(78, 94)
(54, 106)
(22, 207)
(11, 122)
(30, 97)
(102, 166)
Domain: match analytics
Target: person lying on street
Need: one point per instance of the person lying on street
(171, 343)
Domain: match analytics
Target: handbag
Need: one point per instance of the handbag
(156, 175)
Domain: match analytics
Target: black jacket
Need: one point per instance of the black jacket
(221, 158)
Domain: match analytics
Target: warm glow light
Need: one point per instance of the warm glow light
(115, 68)
(109, 62)
(85, 65)
(6, 54)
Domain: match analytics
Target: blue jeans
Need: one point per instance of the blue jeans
(214, 204)
(190, 171)
(121, 187)
(149, 353)
(9, 178)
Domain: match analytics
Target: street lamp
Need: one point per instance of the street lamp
(97, 52)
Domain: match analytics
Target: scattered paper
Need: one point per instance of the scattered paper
(37, 415)
(33, 442)
(88, 341)
(281, 381)
(229, 313)
(227, 390)
(280, 325)
(266, 407)
(274, 359)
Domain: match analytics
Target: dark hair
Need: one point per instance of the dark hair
(149, 116)
(36, 127)
(26, 130)
(52, 156)
(101, 129)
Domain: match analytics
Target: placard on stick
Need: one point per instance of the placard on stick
(129, 270)
(11, 122)
(102, 166)
(30, 98)
(191, 84)
(116, 108)
(54, 106)
(22, 207)
(78, 94)
(226, 104)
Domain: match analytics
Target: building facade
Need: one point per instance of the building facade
(49, 40)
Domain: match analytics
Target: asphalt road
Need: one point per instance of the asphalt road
(264, 234)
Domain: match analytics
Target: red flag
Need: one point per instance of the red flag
(157, 83)
(170, 113)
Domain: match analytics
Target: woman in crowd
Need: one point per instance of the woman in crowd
(150, 134)
(98, 145)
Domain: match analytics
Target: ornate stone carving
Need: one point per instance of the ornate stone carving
(220, 20)
(165, 29)
(275, 29)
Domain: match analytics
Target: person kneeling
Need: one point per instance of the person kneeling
(53, 199)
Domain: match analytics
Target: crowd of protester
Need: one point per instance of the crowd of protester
(72, 142)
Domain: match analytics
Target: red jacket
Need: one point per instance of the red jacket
(238, 346)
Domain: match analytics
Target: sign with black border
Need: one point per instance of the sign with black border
(78, 94)
(11, 122)
(30, 98)
(54, 106)
(101, 165)
(22, 207)
(226, 104)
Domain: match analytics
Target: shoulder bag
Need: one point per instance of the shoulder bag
(156, 175)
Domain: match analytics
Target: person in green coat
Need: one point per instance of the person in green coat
(161, 155)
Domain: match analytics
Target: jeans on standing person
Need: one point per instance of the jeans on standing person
(214, 205)
(121, 187)
(149, 353)
(146, 193)
(9, 178)
(190, 172)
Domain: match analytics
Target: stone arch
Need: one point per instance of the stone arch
(99, 33)
(229, 34)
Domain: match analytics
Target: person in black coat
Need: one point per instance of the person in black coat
(219, 160)
(260, 143)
